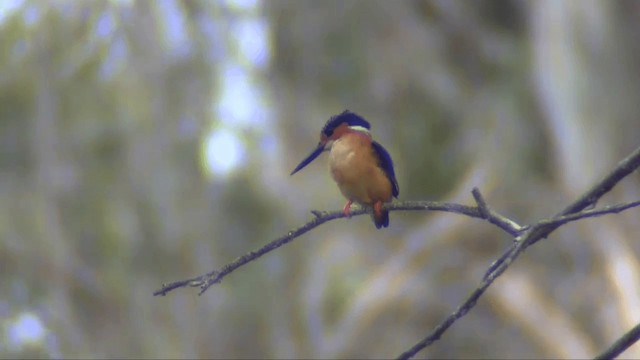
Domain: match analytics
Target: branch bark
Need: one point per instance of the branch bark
(622, 344)
(525, 236)
(534, 233)
(205, 281)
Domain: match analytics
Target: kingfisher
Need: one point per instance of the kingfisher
(362, 168)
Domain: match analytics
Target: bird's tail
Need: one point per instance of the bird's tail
(380, 216)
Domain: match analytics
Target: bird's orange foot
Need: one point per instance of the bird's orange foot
(347, 208)
(377, 208)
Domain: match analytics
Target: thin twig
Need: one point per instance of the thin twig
(525, 236)
(521, 242)
(467, 305)
(532, 235)
(482, 204)
(495, 218)
(206, 280)
(591, 197)
(320, 217)
(561, 220)
(622, 344)
(611, 209)
(588, 199)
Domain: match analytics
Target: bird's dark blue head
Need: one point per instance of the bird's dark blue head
(351, 119)
(335, 127)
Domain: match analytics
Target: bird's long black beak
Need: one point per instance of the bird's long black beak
(318, 150)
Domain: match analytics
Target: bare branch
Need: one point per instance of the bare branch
(588, 199)
(561, 220)
(482, 204)
(536, 232)
(525, 236)
(205, 281)
(493, 217)
(622, 344)
(611, 209)
(320, 217)
(470, 302)
(498, 269)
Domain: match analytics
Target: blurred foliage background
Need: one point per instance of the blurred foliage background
(143, 142)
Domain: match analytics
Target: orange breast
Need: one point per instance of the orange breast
(354, 167)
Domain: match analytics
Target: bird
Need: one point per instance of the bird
(361, 167)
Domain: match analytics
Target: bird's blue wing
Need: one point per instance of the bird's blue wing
(387, 165)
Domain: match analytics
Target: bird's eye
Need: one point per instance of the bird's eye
(328, 132)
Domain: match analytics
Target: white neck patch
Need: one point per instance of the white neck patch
(361, 129)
